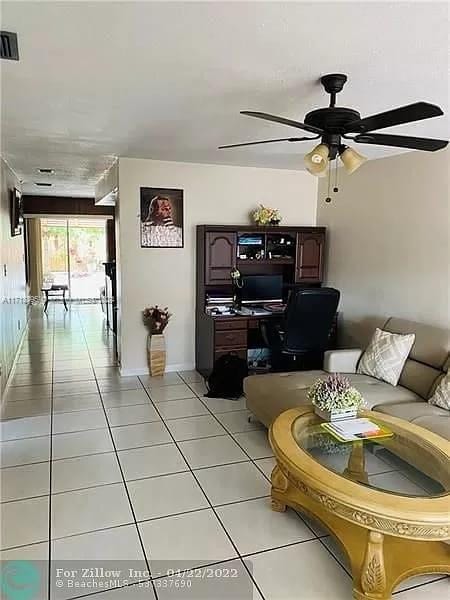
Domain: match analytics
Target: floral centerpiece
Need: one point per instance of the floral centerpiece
(156, 320)
(264, 215)
(335, 398)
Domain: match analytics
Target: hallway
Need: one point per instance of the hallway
(133, 472)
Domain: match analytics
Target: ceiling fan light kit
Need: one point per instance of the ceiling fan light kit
(334, 123)
(317, 160)
(351, 159)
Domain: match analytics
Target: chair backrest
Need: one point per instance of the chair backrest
(308, 319)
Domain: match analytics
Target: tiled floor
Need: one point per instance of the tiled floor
(98, 467)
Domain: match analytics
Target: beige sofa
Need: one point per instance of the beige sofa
(269, 395)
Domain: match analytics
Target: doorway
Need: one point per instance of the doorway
(73, 253)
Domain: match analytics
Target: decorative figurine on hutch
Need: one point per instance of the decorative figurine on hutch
(265, 216)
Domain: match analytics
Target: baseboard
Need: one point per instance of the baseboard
(12, 371)
(144, 370)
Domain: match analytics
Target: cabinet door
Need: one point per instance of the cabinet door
(309, 263)
(220, 255)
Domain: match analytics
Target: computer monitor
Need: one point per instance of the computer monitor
(261, 288)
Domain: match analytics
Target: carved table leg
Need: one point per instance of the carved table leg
(278, 506)
(373, 574)
(389, 560)
(279, 486)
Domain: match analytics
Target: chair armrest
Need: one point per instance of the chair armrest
(342, 361)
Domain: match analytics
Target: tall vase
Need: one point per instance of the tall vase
(156, 353)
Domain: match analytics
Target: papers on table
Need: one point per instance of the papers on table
(356, 429)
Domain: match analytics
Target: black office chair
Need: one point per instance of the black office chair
(300, 341)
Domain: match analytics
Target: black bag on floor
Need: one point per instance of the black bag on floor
(227, 377)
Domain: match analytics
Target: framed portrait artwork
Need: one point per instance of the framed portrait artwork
(161, 218)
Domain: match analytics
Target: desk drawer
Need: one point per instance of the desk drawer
(231, 338)
(231, 324)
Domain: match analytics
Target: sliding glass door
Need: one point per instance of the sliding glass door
(87, 253)
(73, 253)
(55, 256)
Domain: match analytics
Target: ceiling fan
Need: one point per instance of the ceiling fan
(335, 124)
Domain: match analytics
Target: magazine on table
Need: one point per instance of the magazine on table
(350, 430)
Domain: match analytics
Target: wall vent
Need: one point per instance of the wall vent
(43, 184)
(9, 48)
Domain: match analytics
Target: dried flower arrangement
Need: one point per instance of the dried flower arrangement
(156, 319)
(264, 215)
(334, 393)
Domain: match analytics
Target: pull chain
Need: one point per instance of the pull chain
(336, 189)
(328, 198)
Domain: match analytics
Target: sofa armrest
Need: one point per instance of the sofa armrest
(341, 361)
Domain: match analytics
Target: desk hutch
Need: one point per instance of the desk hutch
(296, 253)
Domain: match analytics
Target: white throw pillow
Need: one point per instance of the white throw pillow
(441, 396)
(386, 355)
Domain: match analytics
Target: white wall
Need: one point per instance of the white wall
(213, 194)
(388, 242)
(13, 312)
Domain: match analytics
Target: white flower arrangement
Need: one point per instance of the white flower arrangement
(334, 393)
(264, 215)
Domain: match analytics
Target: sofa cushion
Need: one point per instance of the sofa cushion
(441, 396)
(431, 345)
(409, 411)
(269, 395)
(425, 415)
(376, 392)
(385, 355)
(419, 378)
(428, 357)
(437, 424)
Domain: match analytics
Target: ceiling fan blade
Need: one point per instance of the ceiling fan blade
(282, 120)
(396, 116)
(401, 141)
(298, 139)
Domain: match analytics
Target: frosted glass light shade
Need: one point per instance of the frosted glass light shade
(316, 161)
(352, 160)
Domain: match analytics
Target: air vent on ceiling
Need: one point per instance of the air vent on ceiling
(43, 184)
(9, 48)
(46, 171)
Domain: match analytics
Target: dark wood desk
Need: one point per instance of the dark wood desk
(294, 252)
(221, 335)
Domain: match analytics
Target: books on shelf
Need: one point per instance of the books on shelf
(219, 305)
(219, 299)
(351, 430)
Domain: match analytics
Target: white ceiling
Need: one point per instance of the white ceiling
(166, 80)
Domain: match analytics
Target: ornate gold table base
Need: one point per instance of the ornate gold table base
(378, 561)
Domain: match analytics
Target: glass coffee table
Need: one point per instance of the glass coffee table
(386, 501)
